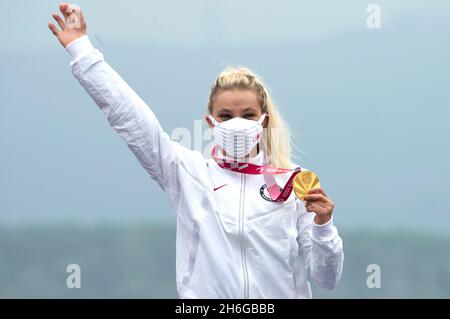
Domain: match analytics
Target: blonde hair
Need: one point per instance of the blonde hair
(276, 139)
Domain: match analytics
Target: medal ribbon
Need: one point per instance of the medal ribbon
(275, 193)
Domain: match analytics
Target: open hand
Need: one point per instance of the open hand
(73, 26)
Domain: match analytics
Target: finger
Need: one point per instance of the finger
(81, 15)
(317, 207)
(75, 18)
(317, 203)
(314, 197)
(64, 8)
(53, 28)
(58, 19)
(312, 208)
(318, 190)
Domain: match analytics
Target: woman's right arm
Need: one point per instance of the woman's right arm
(127, 114)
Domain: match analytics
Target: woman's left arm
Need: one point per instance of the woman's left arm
(319, 240)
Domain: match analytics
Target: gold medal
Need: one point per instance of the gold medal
(304, 182)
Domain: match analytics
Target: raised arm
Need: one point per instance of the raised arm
(127, 114)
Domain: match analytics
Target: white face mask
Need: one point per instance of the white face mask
(238, 136)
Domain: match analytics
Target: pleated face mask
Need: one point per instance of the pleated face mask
(237, 136)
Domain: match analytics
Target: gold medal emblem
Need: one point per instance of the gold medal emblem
(304, 182)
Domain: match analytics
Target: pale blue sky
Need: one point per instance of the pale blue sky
(369, 108)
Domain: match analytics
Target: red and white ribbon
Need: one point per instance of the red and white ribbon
(268, 171)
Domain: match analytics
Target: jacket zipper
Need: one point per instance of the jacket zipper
(241, 235)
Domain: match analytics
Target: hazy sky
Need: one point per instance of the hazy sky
(369, 108)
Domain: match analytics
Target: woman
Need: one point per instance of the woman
(239, 235)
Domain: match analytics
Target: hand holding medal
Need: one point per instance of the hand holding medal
(307, 188)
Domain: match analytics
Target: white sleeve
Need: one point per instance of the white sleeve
(127, 114)
(79, 47)
(321, 248)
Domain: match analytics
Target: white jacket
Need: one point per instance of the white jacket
(231, 242)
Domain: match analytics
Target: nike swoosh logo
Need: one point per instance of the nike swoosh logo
(217, 188)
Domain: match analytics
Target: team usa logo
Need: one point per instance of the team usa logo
(264, 192)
